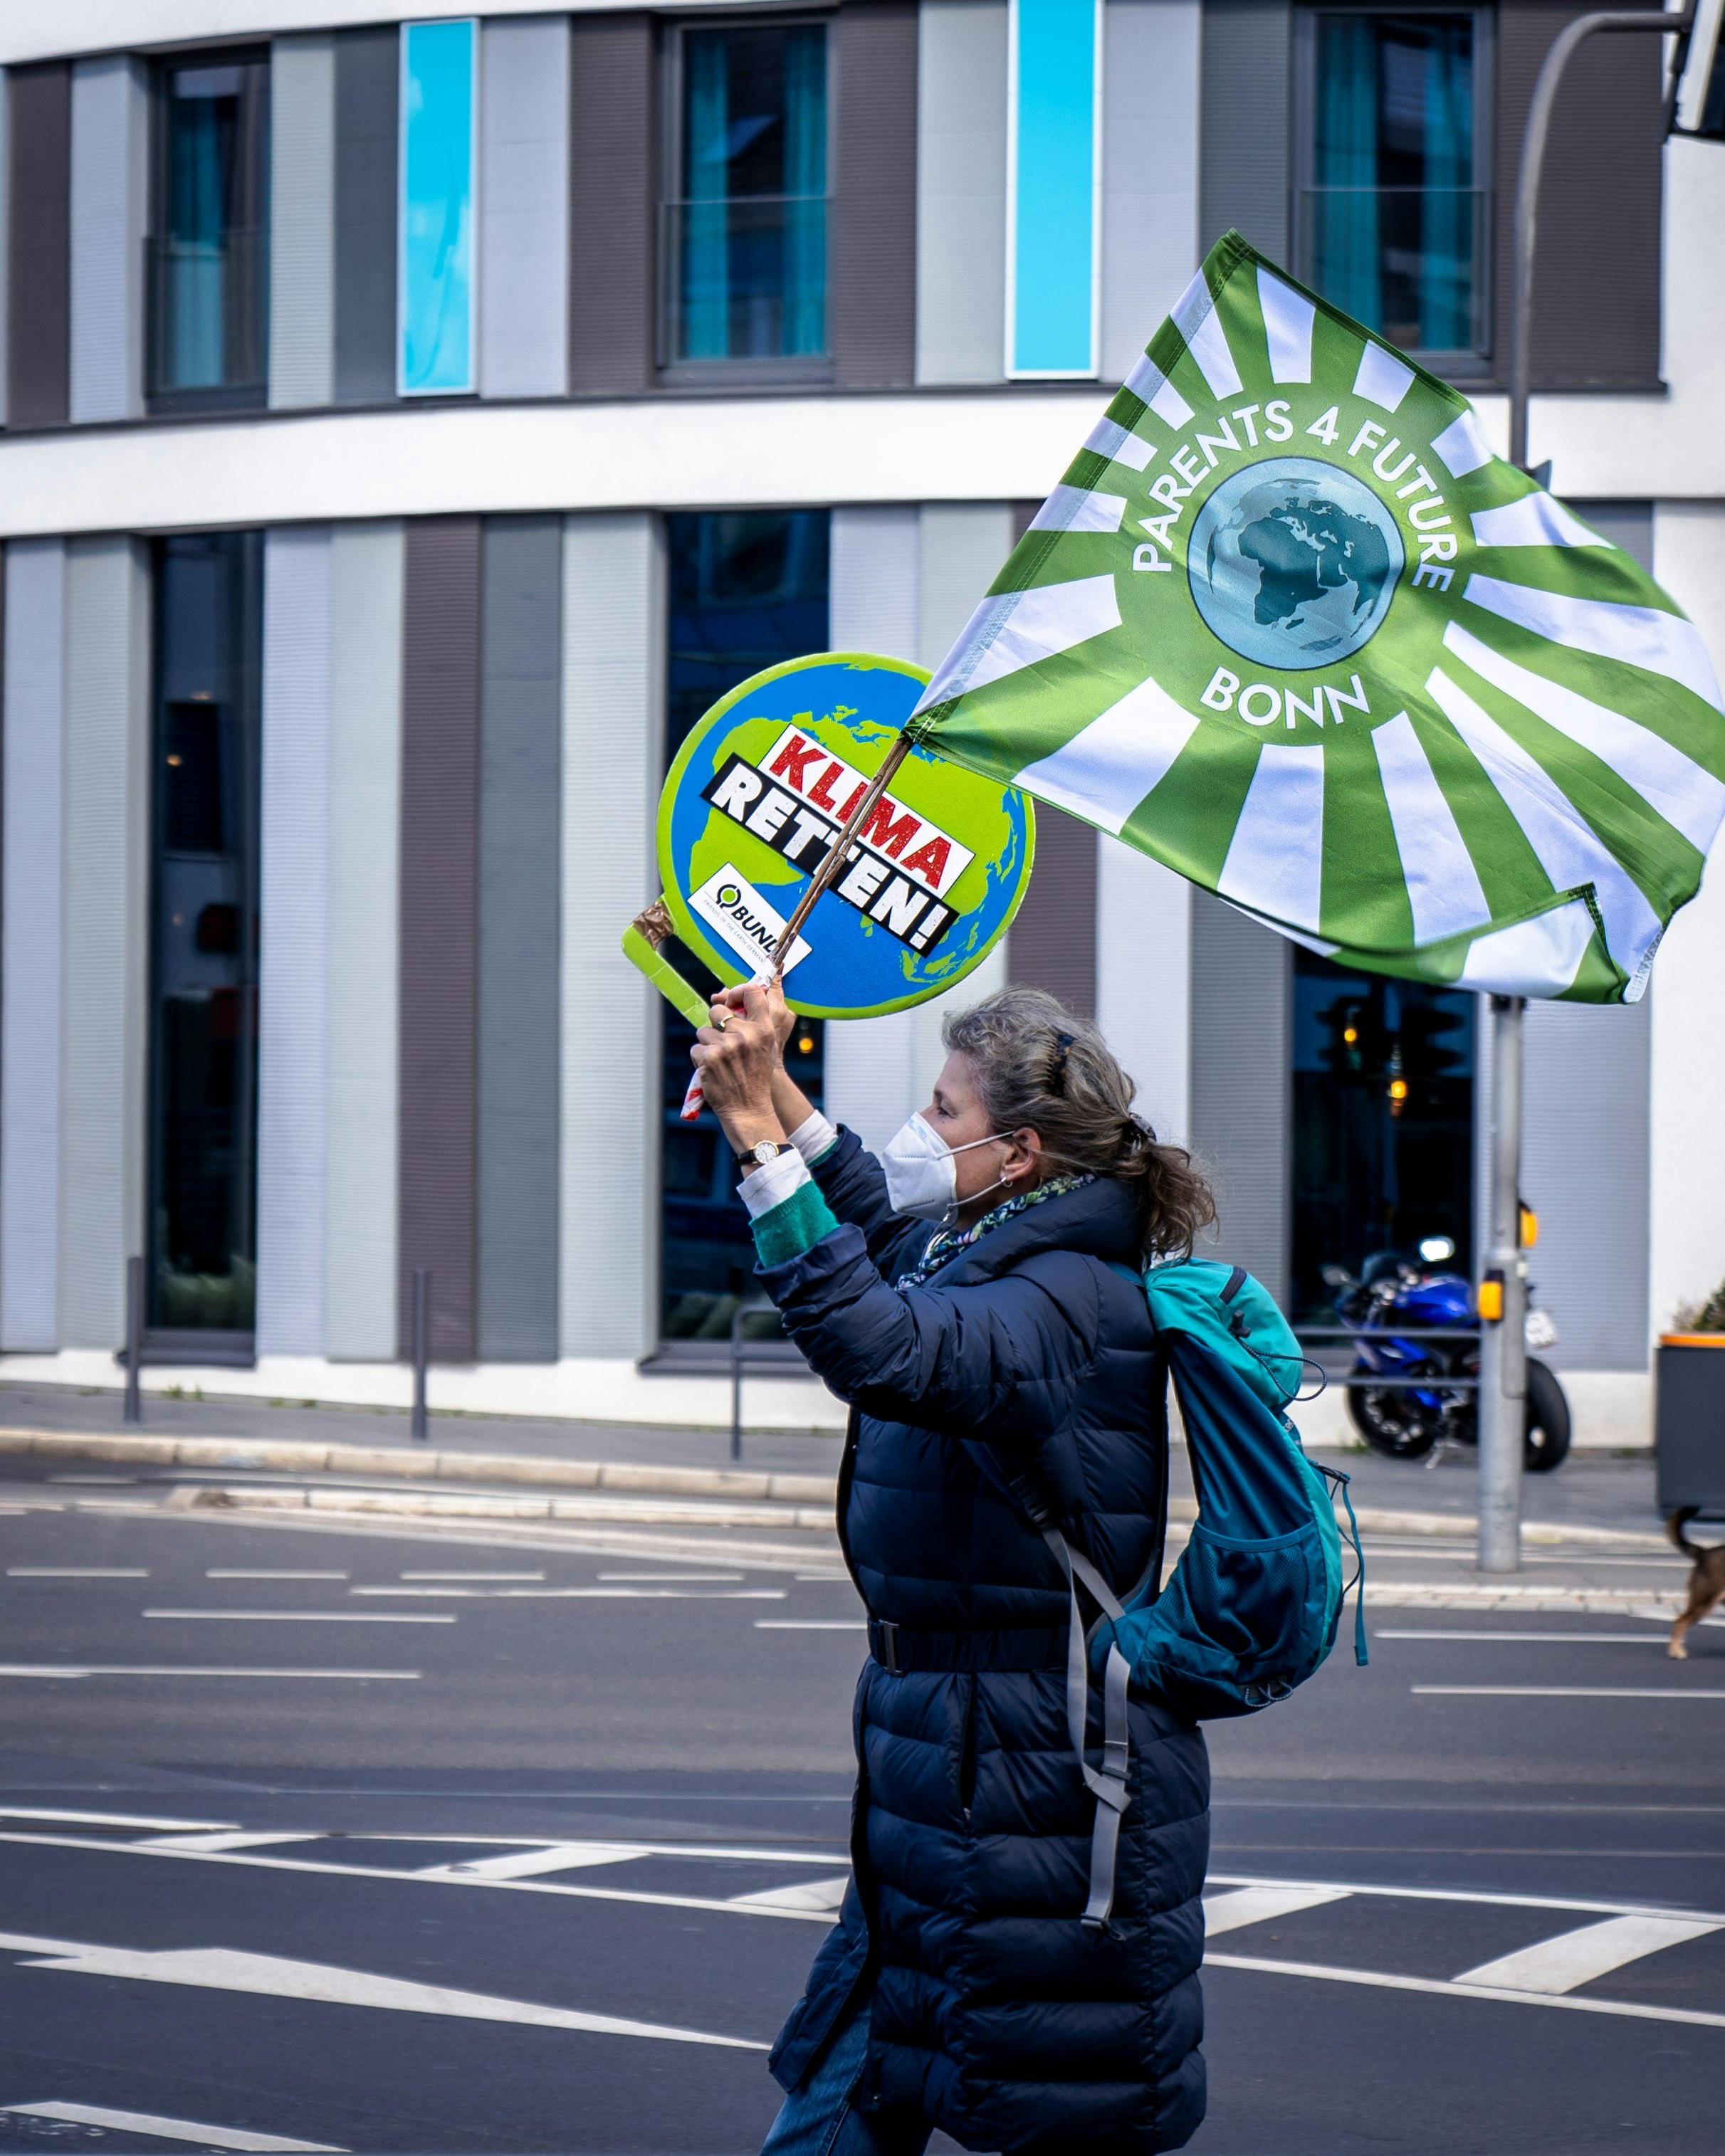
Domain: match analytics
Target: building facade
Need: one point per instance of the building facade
(412, 423)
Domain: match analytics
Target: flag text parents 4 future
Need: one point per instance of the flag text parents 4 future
(1290, 627)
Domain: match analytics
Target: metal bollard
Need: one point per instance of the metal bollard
(133, 1410)
(420, 1428)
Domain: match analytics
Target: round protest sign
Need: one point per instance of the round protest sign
(758, 793)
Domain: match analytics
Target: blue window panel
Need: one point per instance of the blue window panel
(435, 276)
(1052, 220)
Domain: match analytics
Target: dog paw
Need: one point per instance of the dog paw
(1678, 1651)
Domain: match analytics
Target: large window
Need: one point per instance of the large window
(1382, 1120)
(745, 239)
(1393, 209)
(747, 591)
(209, 257)
(203, 1029)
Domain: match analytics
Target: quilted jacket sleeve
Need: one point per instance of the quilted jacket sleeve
(853, 1183)
(999, 1361)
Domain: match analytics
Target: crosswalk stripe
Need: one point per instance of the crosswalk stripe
(1256, 1905)
(1576, 1958)
(808, 1894)
(223, 1968)
(528, 1863)
(1378, 1980)
(171, 2129)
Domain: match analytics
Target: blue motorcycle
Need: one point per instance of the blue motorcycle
(1414, 1421)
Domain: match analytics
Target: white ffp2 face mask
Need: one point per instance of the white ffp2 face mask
(921, 1178)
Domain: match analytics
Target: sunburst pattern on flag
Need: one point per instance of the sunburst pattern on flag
(1288, 626)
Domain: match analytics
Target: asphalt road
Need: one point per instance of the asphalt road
(372, 1860)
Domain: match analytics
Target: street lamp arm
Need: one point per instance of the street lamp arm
(1533, 141)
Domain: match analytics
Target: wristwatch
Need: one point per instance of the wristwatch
(757, 1156)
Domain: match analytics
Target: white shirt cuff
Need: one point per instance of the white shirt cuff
(770, 1185)
(814, 1137)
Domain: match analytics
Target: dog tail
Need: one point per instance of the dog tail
(1674, 1528)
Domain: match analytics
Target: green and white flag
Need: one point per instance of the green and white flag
(1288, 626)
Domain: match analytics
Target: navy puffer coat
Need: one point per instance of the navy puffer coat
(995, 2013)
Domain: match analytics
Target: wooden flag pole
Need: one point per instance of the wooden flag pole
(835, 861)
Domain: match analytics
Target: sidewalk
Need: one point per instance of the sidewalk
(58, 1407)
(1590, 1495)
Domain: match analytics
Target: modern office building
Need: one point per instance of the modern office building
(411, 424)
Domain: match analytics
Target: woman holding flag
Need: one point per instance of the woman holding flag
(973, 1294)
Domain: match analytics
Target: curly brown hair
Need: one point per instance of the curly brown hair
(1040, 1067)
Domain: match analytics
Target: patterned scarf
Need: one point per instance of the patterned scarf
(950, 1241)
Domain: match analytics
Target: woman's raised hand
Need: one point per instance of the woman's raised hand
(737, 1056)
(784, 1019)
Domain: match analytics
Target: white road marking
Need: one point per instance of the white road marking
(432, 1878)
(811, 1623)
(172, 2129)
(1257, 1905)
(148, 1669)
(673, 1578)
(1540, 1639)
(822, 1894)
(1567, 1691)
(744, 1853)
(764, 1906)
(115, 1818)
(529, 1863)
(640, 1594)
(301, 1616)
(469, 1575)
(76, 1571)
(1463, 1894)
(1574, 1959)
(571, 1594)
(224, 1842)
(823, 1578)
(1378, 1981)
(236, 1572)
(223, 1968)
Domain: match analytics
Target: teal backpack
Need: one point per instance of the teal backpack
(1253, 1605)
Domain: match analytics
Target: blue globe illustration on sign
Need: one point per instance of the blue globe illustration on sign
(1293, 563)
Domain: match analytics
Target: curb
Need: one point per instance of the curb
(736, 1484)
(478, 1505)
(396, 1463)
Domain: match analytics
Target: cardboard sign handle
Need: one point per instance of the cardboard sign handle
(835, 861)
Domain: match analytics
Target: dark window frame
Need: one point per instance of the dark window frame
(232, 1346)
(1471, 363)
(671, 373)
(171, 403)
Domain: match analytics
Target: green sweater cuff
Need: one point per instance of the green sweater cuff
(793, 1226)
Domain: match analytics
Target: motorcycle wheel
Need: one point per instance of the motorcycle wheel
(1546, 1444)
(1379, 1415)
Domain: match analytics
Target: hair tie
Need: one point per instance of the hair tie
(1057, 1068)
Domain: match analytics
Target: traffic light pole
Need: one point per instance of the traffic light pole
(1503, 1307)
(1503, 1296)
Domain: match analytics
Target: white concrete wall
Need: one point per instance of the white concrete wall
(1688, 993)
(613, 720)
(1151, 96)
(294, 930)
(361, 1142)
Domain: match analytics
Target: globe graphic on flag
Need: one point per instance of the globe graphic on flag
(1293, 563)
